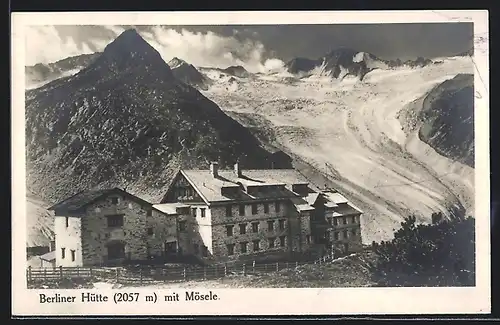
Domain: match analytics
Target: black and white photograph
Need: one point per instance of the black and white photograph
(183, 159)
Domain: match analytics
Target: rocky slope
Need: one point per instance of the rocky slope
(343, 62)
(188, 74)
(445, 120)
(39, 74)
(126, 120)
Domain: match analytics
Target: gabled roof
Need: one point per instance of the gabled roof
(209, 187)
(169, 208)
(49, 257)
(335, 197)
(301, 204)
(84, 198)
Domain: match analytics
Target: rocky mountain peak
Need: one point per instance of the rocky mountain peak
(130, 51)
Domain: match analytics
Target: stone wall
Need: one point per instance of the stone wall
(97, 234)
(221, 239)
(347, 234)
(70, 239)
(161, 229)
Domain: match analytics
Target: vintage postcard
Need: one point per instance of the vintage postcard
(250, 163)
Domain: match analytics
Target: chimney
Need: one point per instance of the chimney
(214, 169)
(237, 170)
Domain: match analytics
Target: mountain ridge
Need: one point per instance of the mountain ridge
(125, 119)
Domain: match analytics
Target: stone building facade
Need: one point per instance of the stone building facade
(108, 227)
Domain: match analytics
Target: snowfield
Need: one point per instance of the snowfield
(350, 129)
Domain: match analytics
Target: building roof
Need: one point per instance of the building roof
(347, 209)
(169, 208)
(84, 198)
(49, 257)
(301, 204)
(335, 197)
(210, 187)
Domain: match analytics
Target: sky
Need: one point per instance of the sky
(256, 47)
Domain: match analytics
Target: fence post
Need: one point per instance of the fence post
(265, 267)
(90, 271)
(244, 269)
(77, 272)
(216, 271)
(140, 273)
(225, 269)
(253, 266)
(204, 272)
(60, 271)
(277, 266)
(286, 265)
(117, 275)
(296, 264)
(184, 274)
(29, 274)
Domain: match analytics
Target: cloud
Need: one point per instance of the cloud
(46, 44)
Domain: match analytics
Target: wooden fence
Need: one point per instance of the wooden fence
(155, 274)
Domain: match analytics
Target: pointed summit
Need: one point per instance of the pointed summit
(130, 51)
(176, 62)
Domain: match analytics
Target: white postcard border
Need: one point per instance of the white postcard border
(331, 301)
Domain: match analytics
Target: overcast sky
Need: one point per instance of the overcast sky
(256, 47)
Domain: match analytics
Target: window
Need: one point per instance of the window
(277, 206)
(149, 212)
(230, 249)
(193, 212)
(308, 239)
(344, 219)
(242, 209)
(266, 207)
(335, 221)
(202, 212)
(282, 224)
(229, 230)
(67, 222)
(116, 250)
(282, 241)
(204, 251)
(255, 226)
(270, 225)
(196, 249)
(72, 255)
(353, 219)
(256, 246)
(243, 247)
(229, 211)
(336, 235)
(150, 231)
(330, 221)
(114, 200)
(243, 228)
(115, 220)
(272, 240)
(353, 232)
(182, 225)
(254, 208)
(63, 252)
(346, 235)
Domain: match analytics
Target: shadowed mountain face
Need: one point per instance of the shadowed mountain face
(40, 73)
(448, 119)
(343, 62)
(188, 74)
(237, 71)
(126, 119)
